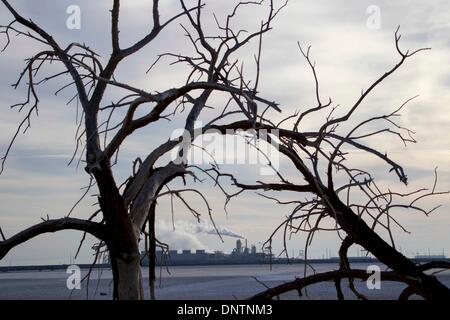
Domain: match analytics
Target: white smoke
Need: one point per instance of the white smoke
(178, 239)
(204, 227)
(185, 234)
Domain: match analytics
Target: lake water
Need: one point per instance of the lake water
(190, 282)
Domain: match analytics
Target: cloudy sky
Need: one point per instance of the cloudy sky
(350, 53)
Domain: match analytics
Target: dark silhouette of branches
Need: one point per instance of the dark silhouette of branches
(330, 194)
(124, 208)
(333, 201)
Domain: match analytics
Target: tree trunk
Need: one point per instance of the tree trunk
(428, 286)
(126, 263)
(129, 279)
(152, 252)
(121, 238)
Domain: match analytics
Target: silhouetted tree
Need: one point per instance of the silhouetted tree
(126, 208)
(334, 192)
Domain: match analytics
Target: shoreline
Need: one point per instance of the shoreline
(84, 266)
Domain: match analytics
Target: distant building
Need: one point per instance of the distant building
(238, 246)
(246, 251)
(219, 254)
(239, 255)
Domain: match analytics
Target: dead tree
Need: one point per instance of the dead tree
(127, 210)
(330, 191)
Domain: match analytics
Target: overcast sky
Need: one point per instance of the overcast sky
(350, 53)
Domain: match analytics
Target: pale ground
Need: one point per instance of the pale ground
(197, 282)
